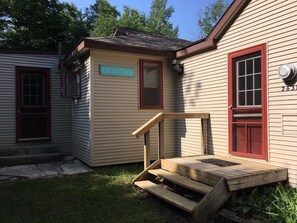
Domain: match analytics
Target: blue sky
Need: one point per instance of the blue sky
(185, 15)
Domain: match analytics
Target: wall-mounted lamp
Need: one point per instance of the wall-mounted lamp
(287, 72)
(178, 67)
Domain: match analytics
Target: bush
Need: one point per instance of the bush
(278, 204)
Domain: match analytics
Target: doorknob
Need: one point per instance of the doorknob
(230, 106)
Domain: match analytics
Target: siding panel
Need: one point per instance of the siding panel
(81, 118)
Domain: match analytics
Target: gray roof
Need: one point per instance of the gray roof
(134, 38)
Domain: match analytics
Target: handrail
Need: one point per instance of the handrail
(148, 125)
(159, 119)
(161, 116)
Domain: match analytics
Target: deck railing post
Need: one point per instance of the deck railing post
(161, 140)
(203, 136)
(147, 159)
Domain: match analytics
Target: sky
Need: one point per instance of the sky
(185, 15)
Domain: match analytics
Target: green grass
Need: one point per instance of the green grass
(105, 195)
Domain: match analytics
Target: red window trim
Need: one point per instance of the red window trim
(160, 63)
(262, 49)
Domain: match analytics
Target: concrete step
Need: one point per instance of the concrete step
(168, 196)
(182, 181)
(30, 149)
(30, 159)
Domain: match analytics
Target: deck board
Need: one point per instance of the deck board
(244, 175)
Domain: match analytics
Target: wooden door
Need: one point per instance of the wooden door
(32, 104)
(247, 103)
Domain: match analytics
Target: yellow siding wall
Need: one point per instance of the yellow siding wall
(116, 113)
(203, 88)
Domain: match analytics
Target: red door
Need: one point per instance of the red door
(247, 102)
(32, 104)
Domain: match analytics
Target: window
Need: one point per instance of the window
(248, 80)
(151, 84)
(71, 85)
(33, 90)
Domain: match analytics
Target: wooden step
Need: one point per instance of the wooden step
(182, 181)
(171, 197)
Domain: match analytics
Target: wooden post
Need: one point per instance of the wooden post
(147, 158)
(203, 136)
(161, 140)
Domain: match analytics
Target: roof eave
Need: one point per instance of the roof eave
(87, 44)
(217, 32)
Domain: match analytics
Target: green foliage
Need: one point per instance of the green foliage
(132, 19)
(108, 18)
(158, 20)
(284, 205)
(278, 204)
(211, 15)
(39, 24)
(101, 18)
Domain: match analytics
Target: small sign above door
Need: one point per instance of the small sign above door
(116, 71)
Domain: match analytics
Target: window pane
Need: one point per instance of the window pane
(33, 80)
(241, 99)
(249, 66)
(26, 100)
(249, 80)
(250, 100)
(40, 101)
(258, 95)
(241, 84)
(257, 65)
(151, 96)
(25, 79)
(151, 84)
(26, 90)
(33, 90)
(33, 100)
(258, 81)
(40, 80)
(241, 68)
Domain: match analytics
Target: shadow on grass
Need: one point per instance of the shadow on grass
(105, 195)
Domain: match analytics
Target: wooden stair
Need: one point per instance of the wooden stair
(171, 197)
(164, 183)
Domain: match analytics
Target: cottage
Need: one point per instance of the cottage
(108, 87)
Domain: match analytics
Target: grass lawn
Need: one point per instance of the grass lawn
(105, 195)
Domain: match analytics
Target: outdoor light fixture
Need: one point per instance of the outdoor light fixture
(178, 67)
(288, 72)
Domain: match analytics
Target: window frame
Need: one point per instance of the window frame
(141, 74)
(64, 85)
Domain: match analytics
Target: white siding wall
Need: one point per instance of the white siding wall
(81, 117)
(117, 114)
(203, 88)
(60, 107)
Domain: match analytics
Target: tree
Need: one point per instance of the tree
(158, 20)
(102, 18)
(108, 18)
(133, 19)
(100, 7)
(211, 16)
(51, 21)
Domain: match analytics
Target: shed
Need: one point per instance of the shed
(125, 80)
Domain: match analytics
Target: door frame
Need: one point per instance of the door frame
(231, 56)
(18, 95)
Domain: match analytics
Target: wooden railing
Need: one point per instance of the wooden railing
(159, 119)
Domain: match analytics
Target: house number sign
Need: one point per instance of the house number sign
(116, 71)
(289, 88)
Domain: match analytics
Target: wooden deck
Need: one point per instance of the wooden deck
(216, 178)
(239, 174)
